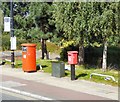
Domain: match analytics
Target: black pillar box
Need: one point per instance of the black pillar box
(58, 69)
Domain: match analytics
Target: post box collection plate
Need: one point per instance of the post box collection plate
(24, 49)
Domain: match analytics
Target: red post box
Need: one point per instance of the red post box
(28, 57)
(72, 57)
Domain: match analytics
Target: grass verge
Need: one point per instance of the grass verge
(82, 72)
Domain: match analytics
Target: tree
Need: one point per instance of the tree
(20, 11)
(72, 20)
(22, 23)
(109, 29)
(40, 14)
(105, 25)
(88, 24)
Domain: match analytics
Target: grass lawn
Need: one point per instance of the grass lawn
(82, 73)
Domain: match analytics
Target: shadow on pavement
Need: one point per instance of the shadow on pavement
(81, 75)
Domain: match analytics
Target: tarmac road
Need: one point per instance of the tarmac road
(7, 95)
(52, 92)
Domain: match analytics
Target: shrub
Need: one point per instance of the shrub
(5, 42)
(93, 55)
(63, 54)
(114, 56)
(19, 42)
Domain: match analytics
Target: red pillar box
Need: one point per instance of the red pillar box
(28, 57)
(72, 57)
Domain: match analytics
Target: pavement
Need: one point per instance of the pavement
(44, 86)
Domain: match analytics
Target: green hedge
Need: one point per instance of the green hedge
(93, 55)
(63, 53)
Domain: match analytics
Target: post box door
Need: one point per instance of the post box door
(74, 58)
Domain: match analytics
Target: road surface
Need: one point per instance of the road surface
(45, 90)
(7, 95)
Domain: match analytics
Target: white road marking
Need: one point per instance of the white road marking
(25, 93)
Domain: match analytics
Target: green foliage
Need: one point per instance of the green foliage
(1, 25)
(1, 20)
(5, 7)
(105, 22)
(87, 23)
(19, 42)
(40, 14)
(64, 54)
(5, 41)
(67, 43)
(91, 22)
(53, 48)
(21, 22)
(93, 56)
(113, 59)
(38, 47)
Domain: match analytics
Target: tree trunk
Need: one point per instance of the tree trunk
(42, 48)
(81, 54)
(104, 63)
(46, 52)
